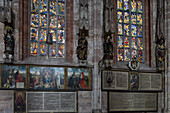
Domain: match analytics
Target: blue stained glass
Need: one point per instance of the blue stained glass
(133, 29)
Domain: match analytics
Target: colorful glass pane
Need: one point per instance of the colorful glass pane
(134, 43)
(43, 49)
(139, 31)
(126, 17)
(42, 35)
(134, 30)
(120, 54)
(34, 6)
(133, 18)
(126, 29)
(126, 42)
(139, 19)
(43, 6)
(33, 48)
(119, 16)
(133, 5)
(126, 4)
(43, 21)
(60, 50)
(61, 24)
(53, 34)
(34, 34)
(53, 8)
(52, 51)
(126, 55)
(60, 8)
(140, 44)
(139, 6)
(134, 53)
(119, 4)
(140, 56)
(34, 20)
(53, 22)
(120, 41)
(120, 30)
(61, 36)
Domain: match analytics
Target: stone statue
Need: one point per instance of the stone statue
(9, 42)
(82, 48)
(108, 48)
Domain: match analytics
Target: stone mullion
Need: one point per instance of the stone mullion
(98, 53)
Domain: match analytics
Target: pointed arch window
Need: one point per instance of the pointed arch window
(47, 15)
(130, 36)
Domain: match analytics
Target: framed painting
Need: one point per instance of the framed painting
(13, 76)
(46, 78)
(79, 78)
(19, 102)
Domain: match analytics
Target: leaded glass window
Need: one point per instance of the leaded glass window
(38, 28)
(130, 30)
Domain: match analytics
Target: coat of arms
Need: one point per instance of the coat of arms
(134, 64)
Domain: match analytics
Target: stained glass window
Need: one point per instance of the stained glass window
(130, 30)
(38, 28)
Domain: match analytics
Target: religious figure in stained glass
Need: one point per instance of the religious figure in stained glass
(129, 30)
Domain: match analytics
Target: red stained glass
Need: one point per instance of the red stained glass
(120, 54)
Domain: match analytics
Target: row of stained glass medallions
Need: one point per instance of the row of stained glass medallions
(130, 34)
(39, 28)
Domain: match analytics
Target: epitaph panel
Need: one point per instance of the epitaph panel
(114, 80)
(51, 102)
(132, 101)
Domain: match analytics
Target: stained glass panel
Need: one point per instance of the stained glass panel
(120, 41)
(53, 34)
(61, 50)
(61, 8)
(42, 35)
(34, 20)
(52, 51)
(139, 19)
(134, 30)
(126, 29)
(140, 56)
(126, 17)
(126, 42)
(134, 53)
(53, 8)
(34, 34)
(119, 16)
(34, 6)
(120, 4)
(43, 7)
(33, 48)
(140, 44)
(61, 36)
(139, 6)
(53, 22)
(43, 21)
(120, 54)
(43, 49)
(126, 4)
(120, 30)
(133, 5)
(126, 55)
(134, 43)
(61, 22)
(133, 18)
(139, 31)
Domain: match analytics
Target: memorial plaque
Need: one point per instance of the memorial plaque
(133, 101)
(150, 82)
(114, 80)
(51, 102)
